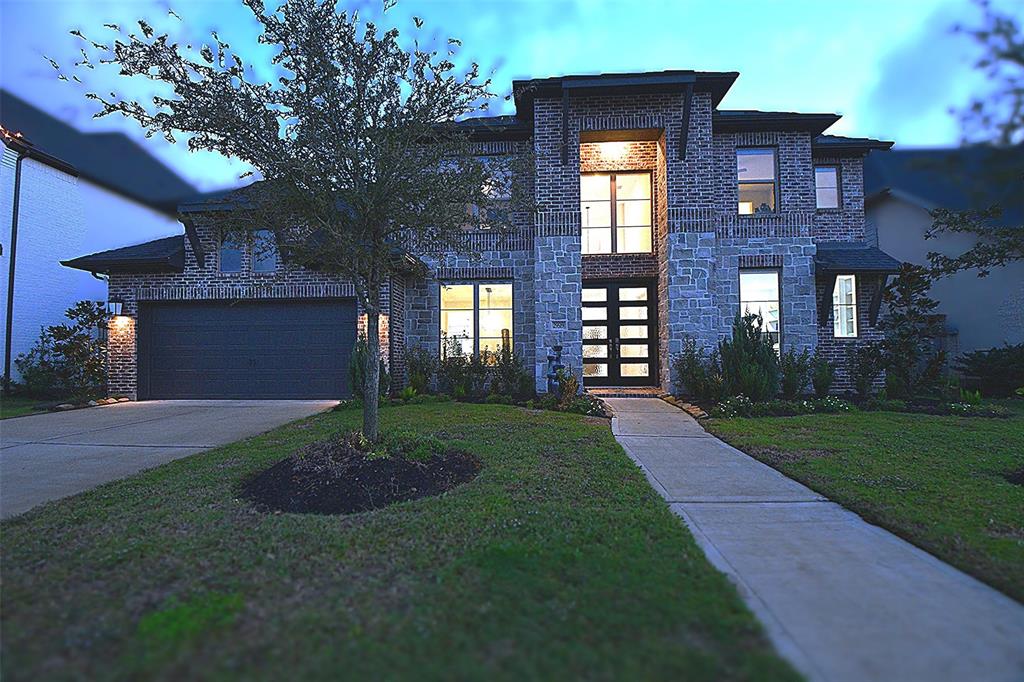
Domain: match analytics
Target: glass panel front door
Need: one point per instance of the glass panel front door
(619, 335)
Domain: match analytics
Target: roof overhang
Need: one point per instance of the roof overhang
(24, 148)
(834, 145)
(786, 121)
(714, 82)
(853, 258)
(166, 255)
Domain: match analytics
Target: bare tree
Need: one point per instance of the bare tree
(362, 164)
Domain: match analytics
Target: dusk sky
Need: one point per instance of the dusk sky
(891, 68)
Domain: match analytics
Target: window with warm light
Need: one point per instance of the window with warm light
(759, 295)
(844, 307)
(615, 212)
(755, 170)
(478, 316)
(826, 186)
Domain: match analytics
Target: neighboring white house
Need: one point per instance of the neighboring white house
(63, 193)
(900, 189)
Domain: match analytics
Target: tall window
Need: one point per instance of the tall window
(755, 169)
(844, 306)
(478, 316)
(826, 186)
(264, 251)
(759, 295)
(616, 212)
(231, 256)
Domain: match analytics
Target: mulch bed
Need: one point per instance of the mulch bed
(329, 478)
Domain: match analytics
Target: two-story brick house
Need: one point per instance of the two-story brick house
(659, 216)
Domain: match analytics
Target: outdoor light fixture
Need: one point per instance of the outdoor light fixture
(115, 307)
(614, 150)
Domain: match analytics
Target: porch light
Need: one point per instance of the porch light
(115, 307)
(614, 151)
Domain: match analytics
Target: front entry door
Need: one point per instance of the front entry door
(619, 334)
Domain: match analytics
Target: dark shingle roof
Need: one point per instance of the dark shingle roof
(837, 144)
(160, 255)
(957, 179)
(739, 120)
(853, 257)
(112, 160)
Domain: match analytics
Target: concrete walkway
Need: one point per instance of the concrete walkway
(840, 598)
(48, 456)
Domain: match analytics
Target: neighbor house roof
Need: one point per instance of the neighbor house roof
(853, 257)
(734, 121)
(111, 160)
(160, 255)
(715, 82)
(958, 179)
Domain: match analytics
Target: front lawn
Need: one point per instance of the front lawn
(557, 562)
(940, 482)
(17, 406)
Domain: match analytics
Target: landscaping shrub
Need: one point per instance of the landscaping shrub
(421, 365)
(453, 369)
(749, 364)
(68, 360)
(357, 371)
(912, 362)
(864, 364)
(823, 373)
(510, 376)
(697, 373)
(741, 406)
(795, 369)
(996, 372)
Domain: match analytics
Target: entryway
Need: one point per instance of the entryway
(619, 334)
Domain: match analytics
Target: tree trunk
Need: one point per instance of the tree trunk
(371, 391)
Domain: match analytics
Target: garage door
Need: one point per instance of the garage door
(250, 349)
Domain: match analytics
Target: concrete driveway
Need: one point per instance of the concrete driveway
(49, 456)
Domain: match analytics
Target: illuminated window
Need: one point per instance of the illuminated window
(759, 295)
(826, 186)
(844, 307)
(615, 210)
(478, 316)
(755, 169)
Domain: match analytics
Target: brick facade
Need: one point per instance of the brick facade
(700, 244)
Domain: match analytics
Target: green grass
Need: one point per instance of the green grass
(557, 562)
(936, 481)
(17, 406)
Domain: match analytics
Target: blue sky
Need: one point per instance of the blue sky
(892, 68)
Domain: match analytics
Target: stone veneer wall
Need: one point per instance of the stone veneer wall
(209, 284)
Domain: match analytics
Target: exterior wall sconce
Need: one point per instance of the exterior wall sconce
(115, 307)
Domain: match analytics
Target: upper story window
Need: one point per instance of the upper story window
(477, 316)
(844, 307)
(759, 295)
(755, 169)
(264, 251)
(826, 186)
(231, 255)
(498, 189)
(615, 211)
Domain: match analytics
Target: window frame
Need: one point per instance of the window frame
(774, 182)
(778, 282)
(836, 306)
(476, 312)
(612, 207)
(240, 248)
(839, 187)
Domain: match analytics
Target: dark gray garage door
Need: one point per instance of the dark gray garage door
(251, 349)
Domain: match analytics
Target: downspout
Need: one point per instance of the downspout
(10, 274)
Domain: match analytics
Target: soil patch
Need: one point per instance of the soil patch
(330, 478)
(1015, 477)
